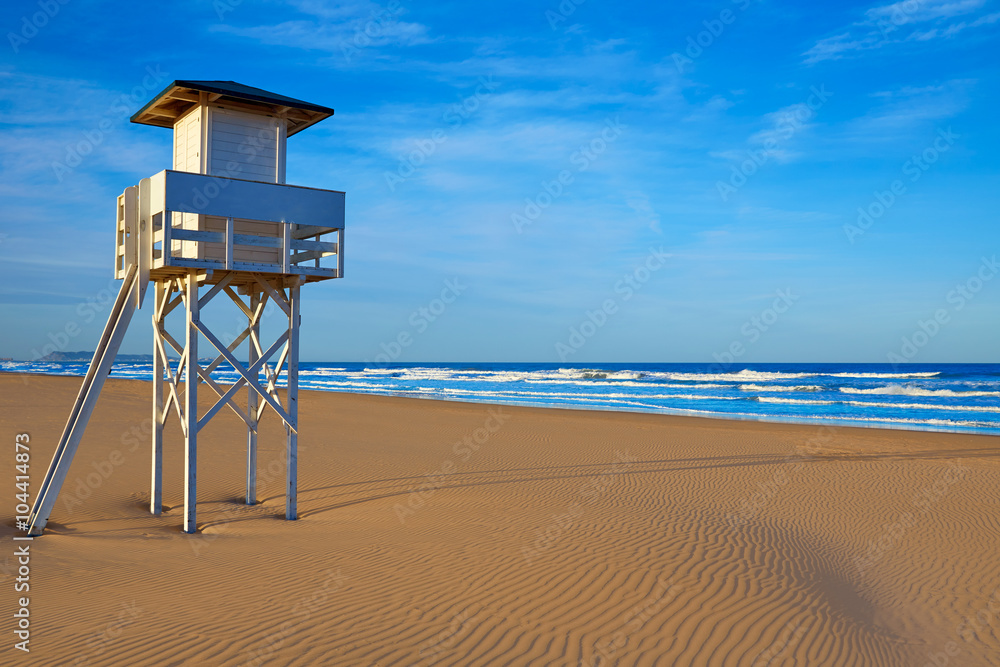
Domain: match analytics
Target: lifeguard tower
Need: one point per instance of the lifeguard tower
(221, 222)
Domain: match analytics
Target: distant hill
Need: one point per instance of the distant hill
(87, 356)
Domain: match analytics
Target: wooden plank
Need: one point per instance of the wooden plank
(310, 254)
(199, 236)
(229, 243)
(257, 241)
(178, 94)
(325, 246)
(305, 231)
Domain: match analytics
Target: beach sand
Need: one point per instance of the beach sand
(447, 533)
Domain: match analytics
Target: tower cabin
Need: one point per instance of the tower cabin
(236, 134)
(221, 222)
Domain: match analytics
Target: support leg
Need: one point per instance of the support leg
(291, 497)
(191, 405)
(252, 404)
(156, 476)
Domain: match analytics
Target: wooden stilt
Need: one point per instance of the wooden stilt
(292, 451)
(191, 404)
(252, 402)
(156, 472)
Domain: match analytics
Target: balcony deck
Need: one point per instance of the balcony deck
(227, 225)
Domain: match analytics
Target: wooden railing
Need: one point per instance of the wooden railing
(306, 226)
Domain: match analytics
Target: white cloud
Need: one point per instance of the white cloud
(900, 22)
(350, 30)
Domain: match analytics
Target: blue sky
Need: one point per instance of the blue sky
(739, 138)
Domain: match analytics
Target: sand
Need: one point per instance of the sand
(447, 533)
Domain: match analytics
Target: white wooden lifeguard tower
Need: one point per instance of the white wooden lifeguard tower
(222, 221)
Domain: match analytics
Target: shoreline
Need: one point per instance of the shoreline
(667, 412)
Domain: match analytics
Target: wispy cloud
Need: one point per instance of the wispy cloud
(898, 23)
(346, 29)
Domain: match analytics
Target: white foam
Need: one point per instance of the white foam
(925, 406)
(792, 401)
(910, 390)
(884, 375)
(740, 376)
(780, 387)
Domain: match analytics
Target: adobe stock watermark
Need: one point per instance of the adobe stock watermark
(99, 642)
(31, 24)
(625, 288)
(420, 320)
(86, 311)
(605, 650)
(913, 169)
(250, 146)
(460, 624)
(453, 117)
(562, 12)
(892, 17)
(121, 108)
(378, 26)
(979, 621)
(333, 582)
(790, 121)
(101, 470)
(957, 298)
(893, 533)
(749, 507)
(595, 487)
(754, 328)
(704, 39)
(223, 7)
(789, 636)
(463, 450)
(581, 159)
(221, 524)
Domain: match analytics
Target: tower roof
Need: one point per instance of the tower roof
(181, 96)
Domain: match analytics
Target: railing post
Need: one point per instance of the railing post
(286, 245)
(229, 244)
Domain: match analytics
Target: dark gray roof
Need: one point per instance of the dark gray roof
(180, 96)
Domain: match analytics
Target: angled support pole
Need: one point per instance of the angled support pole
(86, 400)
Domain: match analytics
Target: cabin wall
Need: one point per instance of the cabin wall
(247, 146)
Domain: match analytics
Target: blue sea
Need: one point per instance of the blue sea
(925, 397)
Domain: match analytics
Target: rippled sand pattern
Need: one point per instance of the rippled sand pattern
(459, 534)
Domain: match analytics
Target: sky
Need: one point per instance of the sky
(578, 181)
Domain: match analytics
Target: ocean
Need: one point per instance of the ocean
(924, 397)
